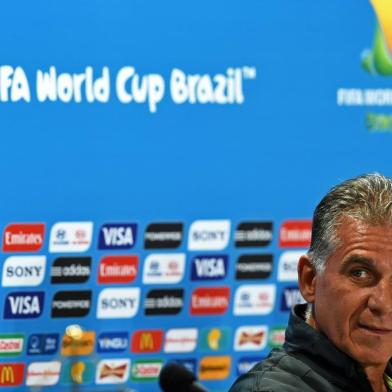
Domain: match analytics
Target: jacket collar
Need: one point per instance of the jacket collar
(315, 349)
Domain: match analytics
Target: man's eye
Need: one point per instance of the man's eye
(360, 273)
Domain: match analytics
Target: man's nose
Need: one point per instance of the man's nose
(380, 300)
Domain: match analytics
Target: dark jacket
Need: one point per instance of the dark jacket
(308, 362)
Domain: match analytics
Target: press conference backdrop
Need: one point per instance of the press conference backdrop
(160, 162)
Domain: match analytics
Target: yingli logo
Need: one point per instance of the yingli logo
(210, 300)
(11, 374)
(23, 237)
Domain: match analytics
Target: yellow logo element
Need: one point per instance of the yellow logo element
(214, 337)
(77, 371)
(214, 368)
(146, 342)
(7, 375)
(81, 346)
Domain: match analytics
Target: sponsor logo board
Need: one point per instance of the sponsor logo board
(180, 340)
(118, 303)
(117, 236)
(69, 237)
(214, 368)
(11, 344)
(70, 270)
(209, 267)
(23, 237)
(290, 296)
(24, 304)
(288, 262)
(163, 236)
(214, 339)
(209, 235)
(43, 373)
(43, 344)
(112, 371)
(164, 268)
(164, 302)
(254, 266)
(254, 300)
(295, 234)
(118, 269)
(23, 271)
(82, 346)
(250, 338)
(11, 374)
(253, 234)
(210, 300)
(147, 341)
(71, 303)
(112, 342)
(146, 370)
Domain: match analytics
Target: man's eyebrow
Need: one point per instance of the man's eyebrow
(358, 259)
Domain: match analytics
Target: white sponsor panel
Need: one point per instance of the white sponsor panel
(209, 235)
(118, 303)
(250, 338)
(254, 299)
(23, 271)
(112, 371)
(11, 344)
(70, 237)
(288, 262)
(164, 268)
(181, 340)
(43, 373)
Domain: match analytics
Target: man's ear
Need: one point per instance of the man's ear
(306, 278)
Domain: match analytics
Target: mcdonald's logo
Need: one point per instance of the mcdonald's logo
(147, 341)
(11, 374)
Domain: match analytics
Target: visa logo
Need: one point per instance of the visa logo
(209, 267)
(117, 236)
(24, 305)
(291, 296)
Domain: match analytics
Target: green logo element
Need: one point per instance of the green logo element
(11, 345)
(214, 339)
(378, 60)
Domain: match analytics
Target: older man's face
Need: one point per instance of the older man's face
(353, 296)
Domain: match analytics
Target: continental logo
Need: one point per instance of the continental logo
(147, 341)
(378, 59)
(11, 374)
(11, 345)
(82, 346)
(214, 368)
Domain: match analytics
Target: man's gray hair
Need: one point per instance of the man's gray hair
(367, 198)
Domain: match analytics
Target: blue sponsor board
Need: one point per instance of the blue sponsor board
(43, 344)
(117, 236)
(112, 342)
(244, 364)
(24, 304)
(290, 296)
(209, 267)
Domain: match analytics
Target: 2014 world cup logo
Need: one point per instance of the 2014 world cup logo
(378, 60)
